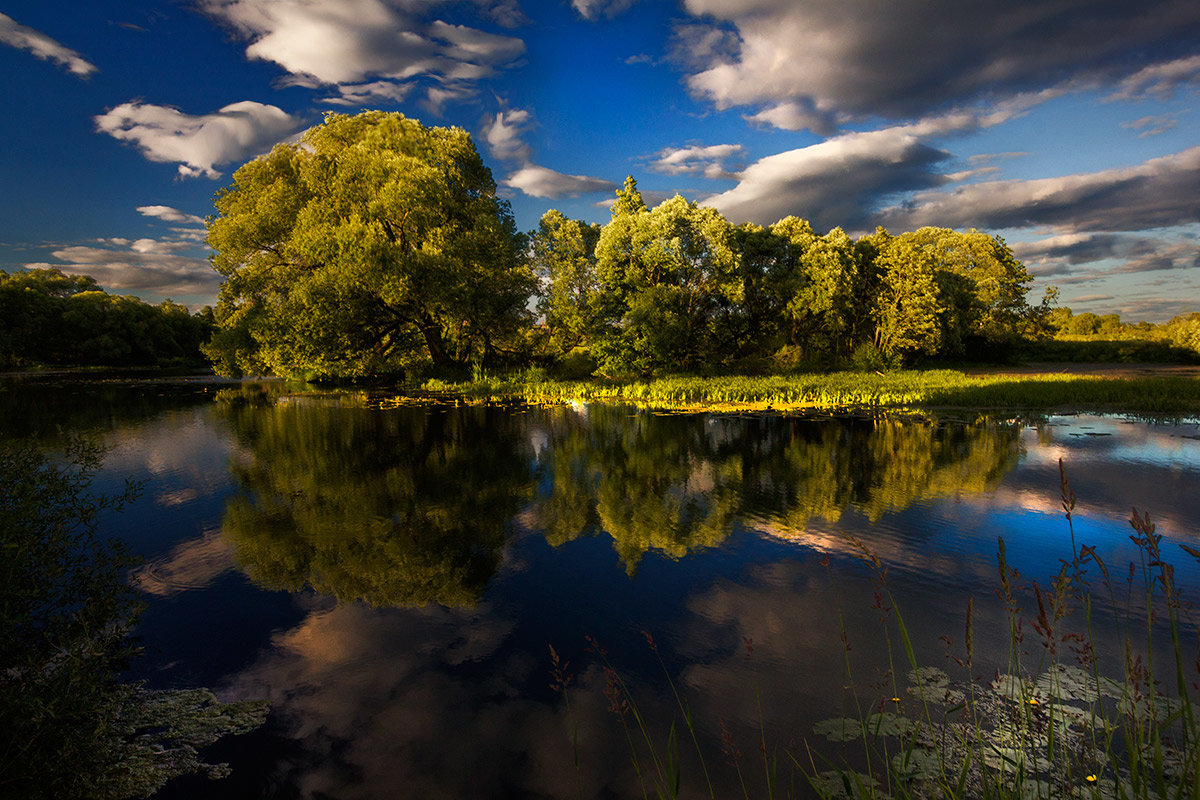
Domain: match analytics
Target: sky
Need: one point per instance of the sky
(1071, 128)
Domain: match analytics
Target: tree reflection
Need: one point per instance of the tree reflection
(413, 506)
(676, 483)
(398, 508)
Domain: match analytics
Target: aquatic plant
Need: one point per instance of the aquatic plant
(1052, 723)
(1053, 717)
(72, 728)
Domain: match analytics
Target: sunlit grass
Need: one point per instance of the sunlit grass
(842, 390)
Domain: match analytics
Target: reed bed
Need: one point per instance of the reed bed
(928, 389)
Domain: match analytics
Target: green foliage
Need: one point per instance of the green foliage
(1090, 337)
(48, 318)
(563, 252)
(374, 243)
(902, 389)
(71, 728)
(667, 275)
(677, 289)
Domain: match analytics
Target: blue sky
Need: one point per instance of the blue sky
(1070, 127)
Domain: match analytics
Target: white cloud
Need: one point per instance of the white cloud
(538, 181)
(796, 116)
(708, 161)
(168, 214)
(1152, 125)
(1157, 193)
(505, 133)
(361, 94)
(1160, 80)
(143, 266)
(198, 143)
(835, 182)
(863, 59)
(337, 42)
(39, 44)
(436, 97)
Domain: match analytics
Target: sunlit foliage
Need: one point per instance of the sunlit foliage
(373, 243)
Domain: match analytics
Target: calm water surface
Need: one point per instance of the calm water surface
(393, 578)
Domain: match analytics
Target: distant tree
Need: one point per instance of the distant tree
(1085, 324)
(373, 243)
(1184, 331)
(47, 317)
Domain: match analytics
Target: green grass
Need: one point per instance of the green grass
(934, 389)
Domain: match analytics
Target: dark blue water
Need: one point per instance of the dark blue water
(393, 578)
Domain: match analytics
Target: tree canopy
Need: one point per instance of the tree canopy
(48, 317)
(372, 243)
(679, 288)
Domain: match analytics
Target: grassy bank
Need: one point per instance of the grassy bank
(935, 389)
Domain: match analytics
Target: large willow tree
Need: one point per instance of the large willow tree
(373, 243)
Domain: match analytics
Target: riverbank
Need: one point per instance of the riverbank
(1124, 388)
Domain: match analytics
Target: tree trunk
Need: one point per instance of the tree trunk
(432, 332)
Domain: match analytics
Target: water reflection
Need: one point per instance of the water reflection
(410, 566)
(673, 484)
(401, 508)
(413, 506)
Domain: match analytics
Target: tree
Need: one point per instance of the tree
(823, 308)
(564, 257)
(906, 307)
(668, 273)
(373, 243)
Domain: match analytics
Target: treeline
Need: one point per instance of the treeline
(679, 287)
(1094, 337)
(377, 246)
(49, 318)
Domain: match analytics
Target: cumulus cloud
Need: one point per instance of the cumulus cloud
(543, 182)
(696, 160)
(835, 182)
(16, 35)
(505, 134)
(142, 266)
(198, 143)
(361, 42)
(902, 60)
(1158, 193)
(168, 214)
(796, 115)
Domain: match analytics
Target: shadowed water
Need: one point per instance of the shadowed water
(392, 578)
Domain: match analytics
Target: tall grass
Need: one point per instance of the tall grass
(847, 390)
(1053, 724)
(1057, 717)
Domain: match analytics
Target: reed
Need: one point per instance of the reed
(1057, 718)
(900, 390)
(1051, 724)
